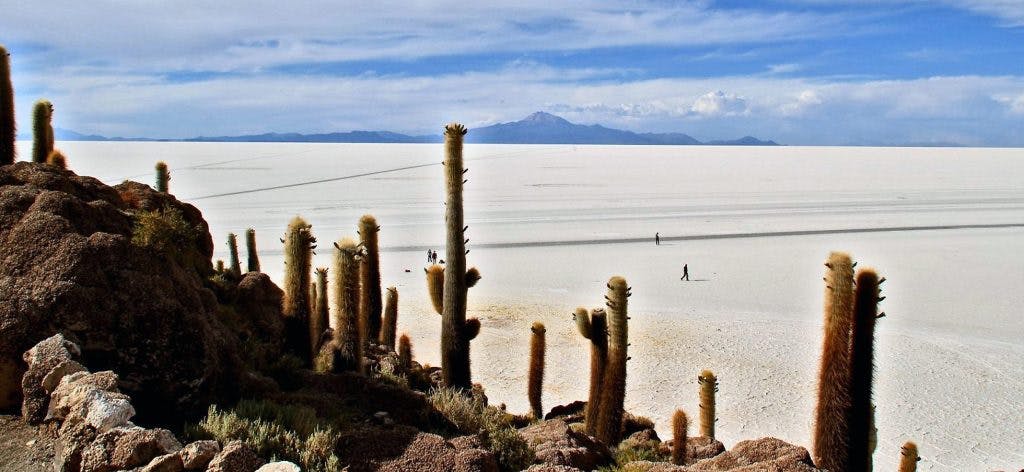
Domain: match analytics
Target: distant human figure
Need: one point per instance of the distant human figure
(434, 256)
(686, 273)
(430, 255)
(657, 239)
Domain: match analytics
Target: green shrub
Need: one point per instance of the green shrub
(510, 449)
(470, 414)
(164, 231)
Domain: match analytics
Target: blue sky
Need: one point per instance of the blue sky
(796, 71)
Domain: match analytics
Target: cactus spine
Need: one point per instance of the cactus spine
(679, 426)
(831, 431)
(456, 331)
(8, 127)
(609, 423)
(405, 353)
(57, 159)
(250, 247)
(318, 321)
(390, 324)
(536, 377)
(233, 264)
(594, 327)
(42, 131)
(862, 344)
(369, 273)
(909, 457)
(298, 252)
(344, 318)
(163, 176)
(708, 387)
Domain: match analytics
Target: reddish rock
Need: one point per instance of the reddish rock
(127, 447)
(198, 454)
(698, 448)
(235, 457)
(570, 413)
(556, 443)
(402, 448)
(164, 463)
(758, 455)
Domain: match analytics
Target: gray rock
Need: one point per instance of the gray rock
(198, 454)
(556, 443)
(283, 466)
(235, 457)
(41, 359)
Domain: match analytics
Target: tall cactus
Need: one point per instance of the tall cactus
(390, 324)
(456, 330)
(680, 423)
(535, 385)
(42, 131)
(369, 274)
(405, 353)
(233, 264)
(609, 423)
(298, 253)
(909, 457)
(594, 326)
(318, 321)
(8, 127)
(250, 247)
(708, 387)
(163, 177)
(831, 431)
(862, 345)
(345, 315)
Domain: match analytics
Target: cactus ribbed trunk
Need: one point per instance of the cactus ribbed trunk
(298, 249)
(454, 343)
(708, 387)
(233, 263)
(908, 457)
(535, 385)
(405, 353)
(42, 131)
(8, 127)
(369, 299)
(594, 326)
(862, 346)
(344, 317)
(250, 247)
(163, 177)
(389, 328)
(831, 432)
(318, 322)
(680, 424)
(609, 423)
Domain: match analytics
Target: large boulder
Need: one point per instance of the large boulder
(555, 443)
(44, 361)
(198, 454)
(127, 447)
(757, 455)
(235, 457)
(402, 448)
(68, 265)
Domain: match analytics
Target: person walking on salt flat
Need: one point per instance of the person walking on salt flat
(686, 273)
(657, 239)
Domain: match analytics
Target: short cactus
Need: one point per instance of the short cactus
(318, 321)
(535, 384)
(233, 264)
(680, 424)
(594, 327)
(220, 266)
(405, 353)
(435, 286)
(345, 315)
(708, 387)
(862, 342)
(42, 131)
(8, 127)
(831, 431)
(57, 159)
(298, 252)
(609, 422)
(369, 275)
(163, 176)
(909, 457)
(390, 324)
(250, 246)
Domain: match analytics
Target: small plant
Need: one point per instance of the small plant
(708, 387)
(163, 176)
(234, 265)
(250, 246)
(57, 159)
(909, 457)
(390, 324)
(298, 252)
(535, 384)
(220, 266)
(42, 131)
(165, 231)
(679, 426)
(8, 126)
(369, 275)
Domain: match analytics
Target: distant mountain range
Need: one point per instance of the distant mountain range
(538, 128)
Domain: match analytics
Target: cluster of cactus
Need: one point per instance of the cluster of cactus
(843, 417)
(298, 252)
(609, 338)
(535, 384)
(8, 127)
(448, 286)
(163, 176)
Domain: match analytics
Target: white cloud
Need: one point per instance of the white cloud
(1011, 12)
(1014, 103)
(806, 100)
(718, 103)
(783, 68)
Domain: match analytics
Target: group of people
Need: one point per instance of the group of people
(686, 269)
(431, 256)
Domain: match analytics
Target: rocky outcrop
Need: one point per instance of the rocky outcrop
(555, 443)
(68, 265)
(198, 454)
(402, 448)
(760, 454)
(235, 457)
(47, 361)
(127, 447)
(697, 448)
